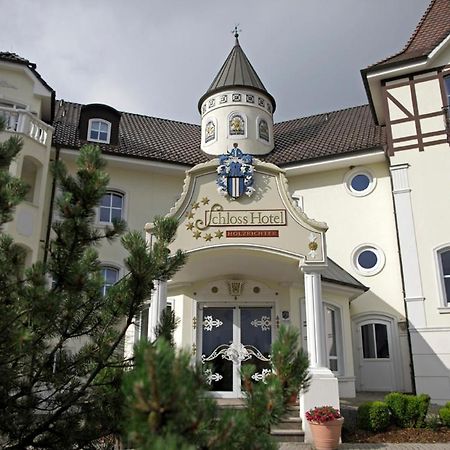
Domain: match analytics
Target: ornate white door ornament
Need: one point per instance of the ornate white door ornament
(235, 353)
(210, 377)
(209, 323)
(261, 376)
(265, 323)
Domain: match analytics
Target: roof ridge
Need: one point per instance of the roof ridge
(133, 114)
(160, 118)
(324, 113)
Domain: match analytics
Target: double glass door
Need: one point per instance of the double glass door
(232, 337)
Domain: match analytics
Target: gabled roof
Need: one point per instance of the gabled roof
(432, 29)
(300, 140)
(236, 71)
(15, 58)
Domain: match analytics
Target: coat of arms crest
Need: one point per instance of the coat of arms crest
(235, 174)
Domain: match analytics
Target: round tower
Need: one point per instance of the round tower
(237, 108)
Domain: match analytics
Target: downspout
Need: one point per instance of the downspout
(411, 363)
(50, 211)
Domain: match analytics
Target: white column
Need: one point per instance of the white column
(157, 306)
(324, 389)
(412, 279)
(314, 319)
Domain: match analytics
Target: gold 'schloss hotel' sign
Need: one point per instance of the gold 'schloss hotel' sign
(218, 217)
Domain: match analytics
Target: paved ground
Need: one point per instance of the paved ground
(296, 446)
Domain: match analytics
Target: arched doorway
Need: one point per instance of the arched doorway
(376, 353)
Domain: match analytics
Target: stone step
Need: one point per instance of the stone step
(280, 435)
(291, 423)
(289, 429)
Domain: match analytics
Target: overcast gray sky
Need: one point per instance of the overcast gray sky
(158, 57)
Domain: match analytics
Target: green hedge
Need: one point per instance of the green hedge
(444, 414)
(373, 416)
(408, 411)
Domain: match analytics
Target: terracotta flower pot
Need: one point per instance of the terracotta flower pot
(326, 435)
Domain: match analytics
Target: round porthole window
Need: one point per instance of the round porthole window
(359, 182)
(368, 259)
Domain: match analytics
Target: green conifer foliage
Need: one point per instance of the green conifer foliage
(60, 360)
(167, 400)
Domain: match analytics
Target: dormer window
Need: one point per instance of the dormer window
(99, 130)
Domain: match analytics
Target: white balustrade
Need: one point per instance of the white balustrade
(23, 122)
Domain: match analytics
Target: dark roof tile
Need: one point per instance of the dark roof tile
(325, 135)
(139, 136)
(308, 138)
(432, 29)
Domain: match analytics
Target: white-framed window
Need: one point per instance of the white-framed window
(333, 330)
(443, 268)
(12, 118)
(375, 341)
(359, 182)
(99, 130)
(110, 276)
(111, 207)
(368, 259)
(143, 320)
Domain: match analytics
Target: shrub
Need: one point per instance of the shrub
(444, 414)
(424, 403)
(373, 416)
(363, 416)
(408, 411)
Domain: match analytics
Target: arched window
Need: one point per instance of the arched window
(236, 125)
(31, 173)
(99, 130)
(444, 274)
(210, 131)
(111, 207)
(263, 130)
(110, 277)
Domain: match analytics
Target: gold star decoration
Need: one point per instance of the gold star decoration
(197, 234)
(190, 215)
(190, 225)
(196, 205)
(205, 200)
(208, 237)
(219, 234)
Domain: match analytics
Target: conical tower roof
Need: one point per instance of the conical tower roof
(236, 72)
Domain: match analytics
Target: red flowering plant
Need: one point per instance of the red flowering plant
(322, 414)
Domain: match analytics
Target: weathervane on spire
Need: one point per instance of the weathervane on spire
(236, 31)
